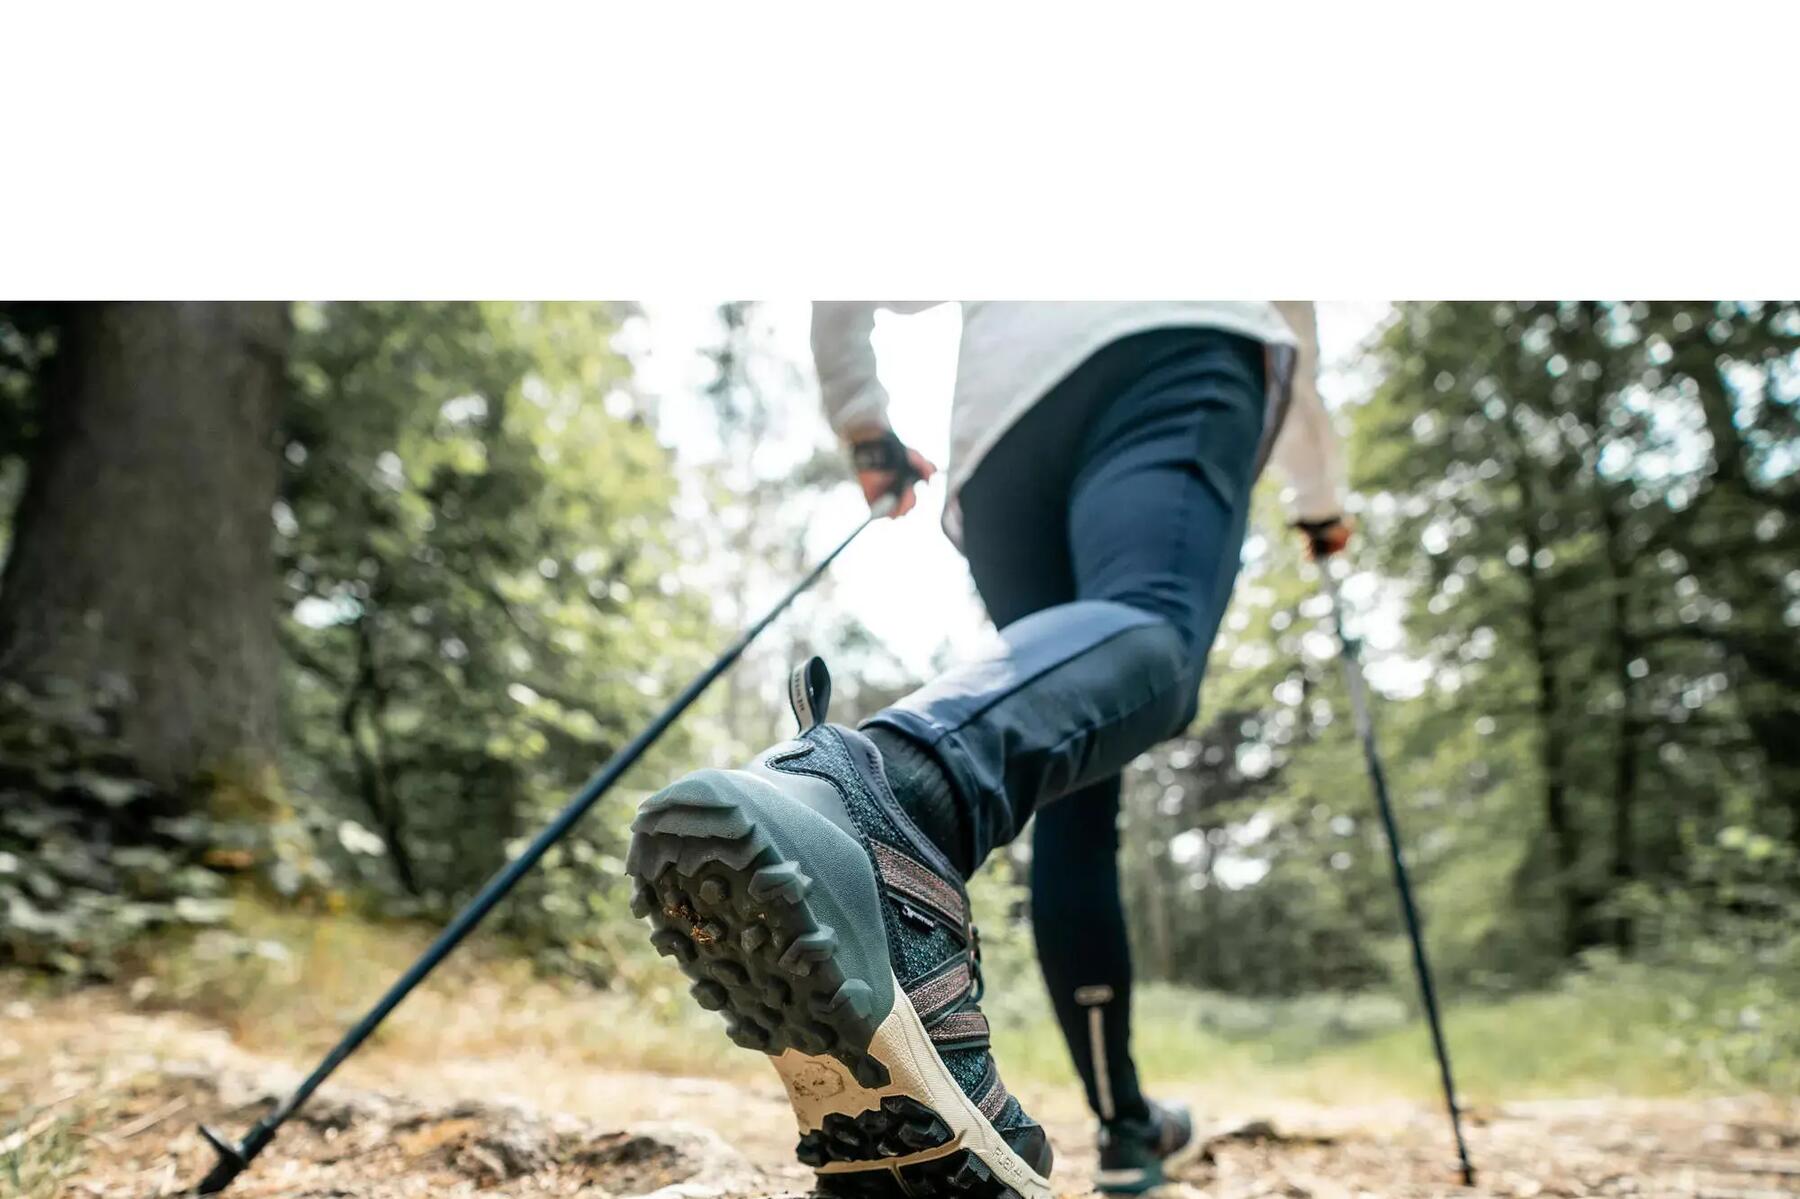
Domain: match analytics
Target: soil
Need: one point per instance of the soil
(98, 1099)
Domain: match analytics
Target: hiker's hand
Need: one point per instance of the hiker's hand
(888, 466)
(1325, 537)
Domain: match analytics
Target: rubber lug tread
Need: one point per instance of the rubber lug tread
(724, 903)
(732, 912)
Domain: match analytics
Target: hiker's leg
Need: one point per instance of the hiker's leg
(1078, 919)
(1015, 553)
(1156, 453)
(1016, 539)
(1155, 521)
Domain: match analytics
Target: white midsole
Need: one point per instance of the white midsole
(819, 1086)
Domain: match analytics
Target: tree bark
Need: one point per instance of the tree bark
(1600, 399)
(141, 565)
(1736, 495)
(1628, 750)
(1559, 820)
(1552, 751)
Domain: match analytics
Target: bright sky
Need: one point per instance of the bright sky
(903, 578)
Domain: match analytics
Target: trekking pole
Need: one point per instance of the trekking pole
(1365, 728)
(235, 1157)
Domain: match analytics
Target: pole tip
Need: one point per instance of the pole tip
(231, 1163)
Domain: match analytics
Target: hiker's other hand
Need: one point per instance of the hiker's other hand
(1325, 537)
(878, 483)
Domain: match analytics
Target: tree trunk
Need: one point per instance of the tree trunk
(1627, 647)
(141, 566)
(1559, 820)
(1552, 751)
(1736, 494)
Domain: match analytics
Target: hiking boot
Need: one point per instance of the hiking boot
(1134, 1153)
(833, 936)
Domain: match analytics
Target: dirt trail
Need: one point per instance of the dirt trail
(99, 1100)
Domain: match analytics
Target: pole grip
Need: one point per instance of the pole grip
(885, 453)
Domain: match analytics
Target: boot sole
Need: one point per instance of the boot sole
(775, 912)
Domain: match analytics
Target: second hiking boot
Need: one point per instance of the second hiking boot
(1135, 1153)
(833, 936)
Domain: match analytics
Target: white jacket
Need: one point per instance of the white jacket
(1014, 352)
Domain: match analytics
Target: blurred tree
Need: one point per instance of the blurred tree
(480, 579)
(1577, 561)
(775, 472)
(1737, 525)
(1472, 469)
(1601, 494)
(139, 569)
(751, 496)
(137, 651)
(1576, 571)
(1249, 840)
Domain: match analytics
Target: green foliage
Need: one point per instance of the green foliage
(483, 598)
(764, 478)
(489, 582)
(1549, 485)
(1576, 573)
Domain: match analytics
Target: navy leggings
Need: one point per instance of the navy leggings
(1104, 533)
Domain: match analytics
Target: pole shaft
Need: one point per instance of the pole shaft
(1365, 728)
(508, 876)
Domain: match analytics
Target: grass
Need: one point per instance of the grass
(38, 1151)
(1616, 1030)
(1612, 1030)
(290, 985)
